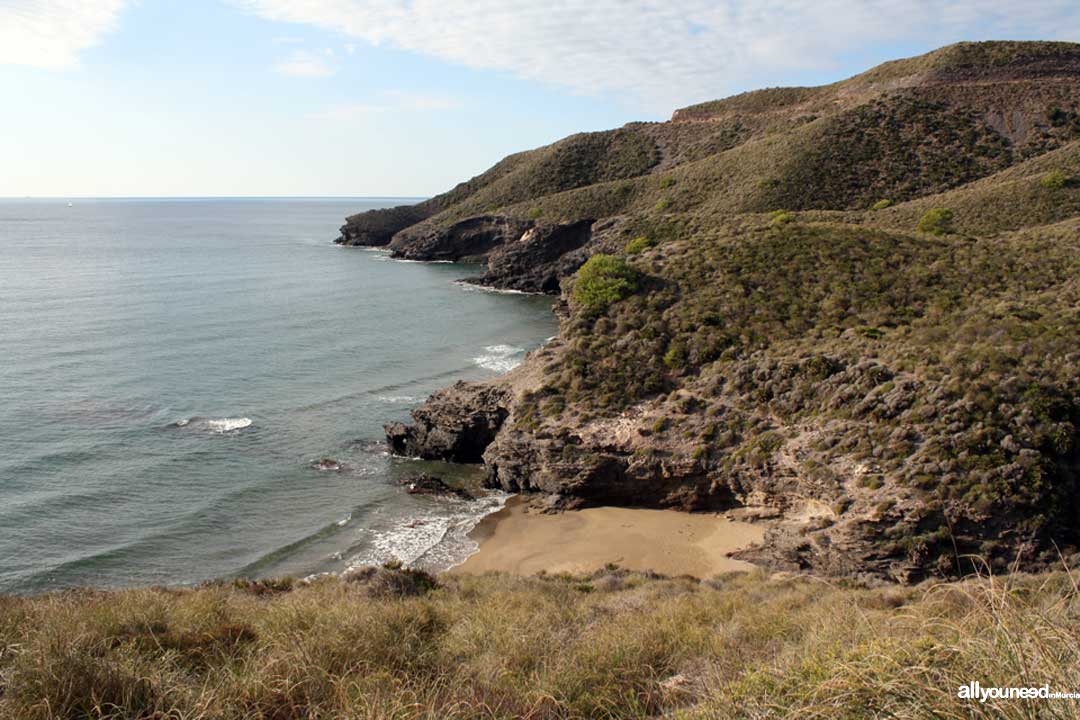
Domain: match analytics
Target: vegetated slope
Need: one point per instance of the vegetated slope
(1039, 191)
(391, 644)
(904, 129)
(858, 318)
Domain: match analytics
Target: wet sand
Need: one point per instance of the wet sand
(524, 542)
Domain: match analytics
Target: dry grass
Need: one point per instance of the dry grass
(613, 645)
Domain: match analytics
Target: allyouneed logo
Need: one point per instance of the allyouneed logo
(975, 691)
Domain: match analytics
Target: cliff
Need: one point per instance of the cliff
(851, 311)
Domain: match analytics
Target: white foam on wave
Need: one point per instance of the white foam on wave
(398, 398)
(388, 258)
(225, 425)
(431, 542)
(500, 358)
(470, 287)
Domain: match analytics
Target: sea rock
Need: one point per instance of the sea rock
(456, 424)
(424, 484)
(328, 464)
(467, 240)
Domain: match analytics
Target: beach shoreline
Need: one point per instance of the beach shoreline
(521, 540)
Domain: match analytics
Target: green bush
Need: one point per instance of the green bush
(603, 280)
(881, 204)
(937, 221)
(662, 205)
(535, 213)
(639, 244)
(667, 182)
(1054, 180)
(781, 217)
(675, 357)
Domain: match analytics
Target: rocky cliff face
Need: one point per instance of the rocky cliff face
(468, 240)
(539, 258)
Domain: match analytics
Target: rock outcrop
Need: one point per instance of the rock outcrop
(469, 240)
(539, 258)
(456, 424)
(424, 484)
(375, 228)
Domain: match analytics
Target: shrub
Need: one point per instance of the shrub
(1054, 180)
(675, 357)
(881, 204)
(662, 205)
(667, 182)
(639, 244)
(535, 213)
(781, 217)
(603, 280)
(937, 221)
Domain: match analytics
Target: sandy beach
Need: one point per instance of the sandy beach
(523, 541)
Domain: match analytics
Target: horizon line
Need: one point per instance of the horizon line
(214, 197)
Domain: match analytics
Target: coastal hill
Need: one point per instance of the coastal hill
(850, 312)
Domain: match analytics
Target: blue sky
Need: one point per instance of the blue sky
(406, 97)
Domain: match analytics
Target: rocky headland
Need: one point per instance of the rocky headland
(850, 312)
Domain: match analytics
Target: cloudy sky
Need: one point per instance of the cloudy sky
(406, 97)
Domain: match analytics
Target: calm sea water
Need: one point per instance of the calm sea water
(170, 371)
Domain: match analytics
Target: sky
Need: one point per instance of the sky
(382, 98)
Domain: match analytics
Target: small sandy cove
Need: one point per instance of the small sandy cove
(523, 541)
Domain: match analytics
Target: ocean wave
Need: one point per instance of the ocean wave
(431, 542)
(473, 287)
(215, 425)
(500, 358)
(225, 425)
(397, 398)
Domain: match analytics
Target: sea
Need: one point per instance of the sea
(172, 372)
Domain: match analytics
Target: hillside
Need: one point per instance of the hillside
(849, 312)
(396, 644)
(902, 130)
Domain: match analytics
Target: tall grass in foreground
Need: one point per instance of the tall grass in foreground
(611, 645)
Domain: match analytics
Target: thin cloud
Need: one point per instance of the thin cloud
(419, 101)
(346, 111)
(663, 54)
(393, 101)
(51, 33)
(304, 63)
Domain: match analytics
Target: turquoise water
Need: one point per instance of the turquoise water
(171, 370)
